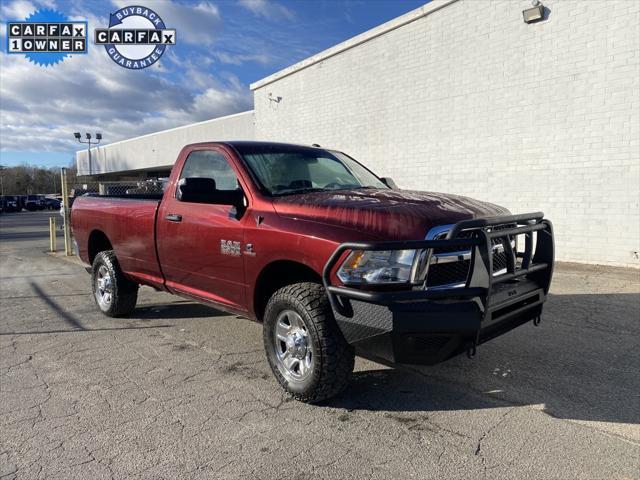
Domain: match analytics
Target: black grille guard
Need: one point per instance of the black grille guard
(536, 265)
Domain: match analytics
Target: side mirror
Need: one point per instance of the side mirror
(388, 181)
(203, 190)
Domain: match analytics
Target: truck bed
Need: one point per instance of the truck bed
(128, 223)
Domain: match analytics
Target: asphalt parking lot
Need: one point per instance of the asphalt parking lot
(180, 390)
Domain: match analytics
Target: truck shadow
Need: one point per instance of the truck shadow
(581, 363)
(72, 322)
(174, 311)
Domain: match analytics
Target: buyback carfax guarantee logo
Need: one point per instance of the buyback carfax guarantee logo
(136, 38)
(46, 37)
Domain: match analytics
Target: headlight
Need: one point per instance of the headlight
(377, 267)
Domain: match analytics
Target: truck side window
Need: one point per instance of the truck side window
(210, 164)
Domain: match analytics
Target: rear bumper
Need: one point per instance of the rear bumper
(428, 326)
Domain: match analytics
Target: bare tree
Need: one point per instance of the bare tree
(27, 179)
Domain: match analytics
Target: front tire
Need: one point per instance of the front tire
(114, 294)
(306, 350)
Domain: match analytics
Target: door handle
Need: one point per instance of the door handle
(172, 217)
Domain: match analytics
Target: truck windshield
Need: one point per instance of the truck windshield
(288, 169)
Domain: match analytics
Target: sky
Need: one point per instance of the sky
(222, 47)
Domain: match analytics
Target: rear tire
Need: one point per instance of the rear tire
(114, 294)
(305, 348)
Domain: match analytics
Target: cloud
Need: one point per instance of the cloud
(18, 10)
(21, 9)
(41, 107)
(198, 24)
(267, 9)
(239, 59)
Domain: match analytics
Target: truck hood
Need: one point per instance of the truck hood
(383, 213)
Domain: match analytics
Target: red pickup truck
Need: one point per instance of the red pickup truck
(326, 255)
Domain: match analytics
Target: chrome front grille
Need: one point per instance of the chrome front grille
(448, 267)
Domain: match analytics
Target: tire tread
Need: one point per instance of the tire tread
(125, 292)
(336, 357)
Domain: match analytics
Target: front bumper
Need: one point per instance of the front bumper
(428, 326)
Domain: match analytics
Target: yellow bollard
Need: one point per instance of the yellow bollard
(52, 234)
(68, 250)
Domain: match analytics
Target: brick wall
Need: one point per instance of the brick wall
(469, 99)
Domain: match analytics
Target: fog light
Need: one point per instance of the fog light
(534, 14)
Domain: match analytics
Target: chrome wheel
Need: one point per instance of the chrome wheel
(104, 287)
(293, 349)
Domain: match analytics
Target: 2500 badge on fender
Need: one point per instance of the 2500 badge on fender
(335, 258)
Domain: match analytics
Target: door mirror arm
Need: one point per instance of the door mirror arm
(388, 181)
(239, 208)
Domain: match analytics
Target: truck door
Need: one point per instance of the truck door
(199, 244)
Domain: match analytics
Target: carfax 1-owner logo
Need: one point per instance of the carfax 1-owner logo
(136, 38)
(46, 37)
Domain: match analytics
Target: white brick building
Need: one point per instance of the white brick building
(160, 150)
(464, 97)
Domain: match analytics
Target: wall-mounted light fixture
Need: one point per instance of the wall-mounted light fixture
(535, 13)
(274, 99)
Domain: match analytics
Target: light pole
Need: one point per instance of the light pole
(89, 142)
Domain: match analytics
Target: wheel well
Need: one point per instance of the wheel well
(277, 275)
(98, 242)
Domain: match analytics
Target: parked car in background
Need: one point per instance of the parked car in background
(31, 203)
(35, 202)
(52, 203)
(324, 253)
(10, 203)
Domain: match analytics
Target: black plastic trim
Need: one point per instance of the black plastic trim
(498, 303)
